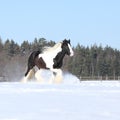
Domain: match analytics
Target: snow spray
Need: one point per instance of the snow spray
(47, 77)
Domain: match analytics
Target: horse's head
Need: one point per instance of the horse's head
(66, 47)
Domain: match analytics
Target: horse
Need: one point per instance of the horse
(50, 58)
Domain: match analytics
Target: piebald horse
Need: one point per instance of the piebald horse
(50, 58)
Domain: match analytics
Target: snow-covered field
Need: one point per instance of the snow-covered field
(77, 101)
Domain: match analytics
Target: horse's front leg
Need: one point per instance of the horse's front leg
(52, 78)
(58, 77)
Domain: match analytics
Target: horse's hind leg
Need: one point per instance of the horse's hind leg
(29, 74)
(38, 76)
(28, 69)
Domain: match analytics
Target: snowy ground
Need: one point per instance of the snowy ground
(83, 101)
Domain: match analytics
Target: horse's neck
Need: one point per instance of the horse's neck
(59, 57)
(62, 55)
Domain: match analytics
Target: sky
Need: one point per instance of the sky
(86, 22)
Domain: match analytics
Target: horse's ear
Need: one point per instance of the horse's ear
(64, 40)
(69, 41)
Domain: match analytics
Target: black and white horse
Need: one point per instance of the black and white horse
(50, 58)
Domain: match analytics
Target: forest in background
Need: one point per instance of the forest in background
(87, 62)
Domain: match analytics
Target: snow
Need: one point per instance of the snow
(78, 101)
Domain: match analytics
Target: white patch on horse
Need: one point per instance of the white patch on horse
(71, 51)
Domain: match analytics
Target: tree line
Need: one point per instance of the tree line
(88, 61)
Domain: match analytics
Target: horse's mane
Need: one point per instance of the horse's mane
(50, 49)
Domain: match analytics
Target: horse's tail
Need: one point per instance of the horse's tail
(31, 63)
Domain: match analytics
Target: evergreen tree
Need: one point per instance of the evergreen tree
(1, 45)
(25, 47)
